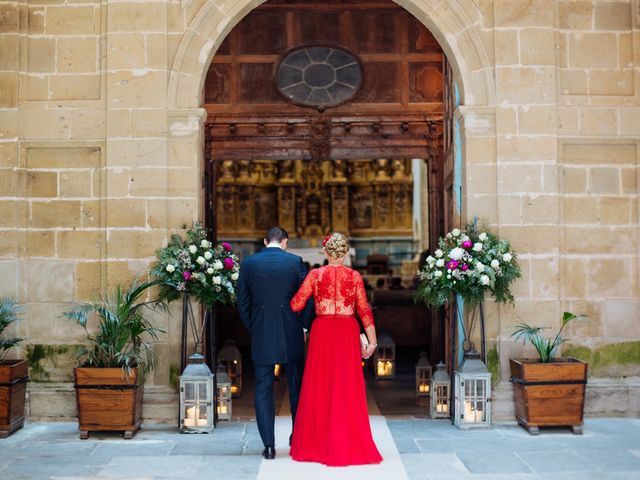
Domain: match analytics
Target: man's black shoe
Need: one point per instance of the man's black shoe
(269, 453)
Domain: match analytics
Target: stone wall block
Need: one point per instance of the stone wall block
(8, 52)
(589, 50)
(573, 82)
(73, 19)
(591, 239)
(42, 184)
(604, 180)
(598, 121)
(540, 209)
(613, 16)
(618, 210)
(610, 278)
(574, 277)
(534, 119)
(126, 213)
(148, 152)
(125, 51)
(133, 17)
(134, 243)
(545, 274)
(525, 85)
(75, 87)
(537, 47)
(509, 209)
(621, 318)
(532, 239)
(598, 153)
(41, 54)
(148, 182)
(88, 278)
(516, 178)
(51, 214)
(41, 243)
(579, 210)
(75, 183)
(575, 14)
(138, 88)
(80, 244)
(611, 82)
(8, 90)
(91, 213)
(49, 281)
(13, 214)
(78, 55)
(522, 13)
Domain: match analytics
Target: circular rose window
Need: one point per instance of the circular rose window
(319, 77)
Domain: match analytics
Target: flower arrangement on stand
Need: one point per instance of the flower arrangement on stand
(469, 262)
(195, 267)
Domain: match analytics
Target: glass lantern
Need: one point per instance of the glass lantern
(196, 397)
(223, 383)
(440, 384)
(384, 359)
(472, 392)
(231, 358)
(423, 376)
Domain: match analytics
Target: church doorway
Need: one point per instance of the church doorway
(335, 116)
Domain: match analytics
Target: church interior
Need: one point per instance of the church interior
(333, 116)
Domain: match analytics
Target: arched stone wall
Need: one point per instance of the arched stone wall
(456, 25)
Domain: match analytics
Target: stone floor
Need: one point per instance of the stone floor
(430, 449)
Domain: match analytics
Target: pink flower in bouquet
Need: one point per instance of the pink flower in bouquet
(467, 244)
(228, 263)
(226, 246)
(464, 267)
(186, 275)
(452, 265)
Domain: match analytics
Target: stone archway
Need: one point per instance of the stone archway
(455, 25)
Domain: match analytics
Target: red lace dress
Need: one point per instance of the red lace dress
(332, 421)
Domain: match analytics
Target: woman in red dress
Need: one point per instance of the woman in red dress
(332, 422)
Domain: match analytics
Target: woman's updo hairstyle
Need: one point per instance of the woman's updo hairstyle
(336, 245)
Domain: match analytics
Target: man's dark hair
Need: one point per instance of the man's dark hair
(276, 234)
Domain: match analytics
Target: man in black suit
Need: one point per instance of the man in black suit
(268, 280)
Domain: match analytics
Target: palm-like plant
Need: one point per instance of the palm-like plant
(124, 334)
(546, 347)
(9, 314)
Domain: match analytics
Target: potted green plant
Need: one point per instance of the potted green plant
(548, 391)
(110, 380)
(14, 374)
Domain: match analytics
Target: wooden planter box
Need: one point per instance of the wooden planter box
(108, 399)
(14, 375)
(549, 394)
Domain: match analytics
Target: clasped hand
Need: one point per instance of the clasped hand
(367, 352)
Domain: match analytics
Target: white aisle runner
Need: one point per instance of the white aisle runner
(284, 468)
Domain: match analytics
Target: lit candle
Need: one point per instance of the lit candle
(380, 367)
(470, 412)
(190, 421)
(234, 389)
(276, 370)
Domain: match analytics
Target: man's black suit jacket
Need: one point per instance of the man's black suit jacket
(268, 280)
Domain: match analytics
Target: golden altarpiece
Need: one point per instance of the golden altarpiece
(361, 198)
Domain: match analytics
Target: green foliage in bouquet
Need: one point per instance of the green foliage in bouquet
(469, 262)
(9, 314)
(194, 266)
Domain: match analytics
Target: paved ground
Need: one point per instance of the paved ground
(430, 449)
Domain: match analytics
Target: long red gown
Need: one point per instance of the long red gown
(332, 421)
